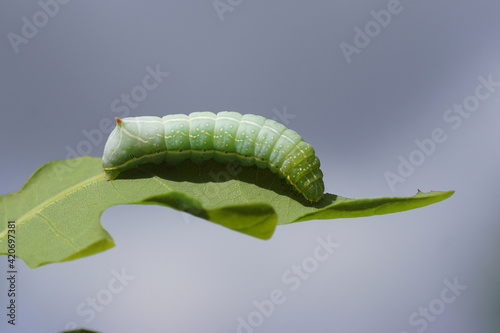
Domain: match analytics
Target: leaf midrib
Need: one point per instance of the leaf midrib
(52, 200)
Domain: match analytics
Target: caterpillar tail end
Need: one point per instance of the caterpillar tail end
(110, 175)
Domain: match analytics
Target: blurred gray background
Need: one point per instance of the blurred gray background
(360, 98)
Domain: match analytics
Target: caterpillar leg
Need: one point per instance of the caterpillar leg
(110, 175)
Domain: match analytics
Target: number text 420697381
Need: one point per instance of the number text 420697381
(11, 273)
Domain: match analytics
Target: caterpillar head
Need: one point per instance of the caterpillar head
(314, 191)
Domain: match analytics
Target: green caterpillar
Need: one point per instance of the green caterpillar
(226, 136)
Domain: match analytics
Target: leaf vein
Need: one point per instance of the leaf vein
(57, 232)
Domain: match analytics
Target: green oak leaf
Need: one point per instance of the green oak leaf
(57, 212)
